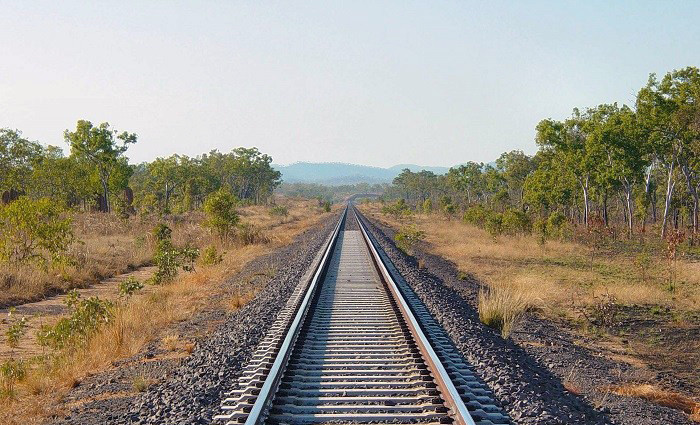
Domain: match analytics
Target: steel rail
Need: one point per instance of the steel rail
(452, 398)
(274, 376)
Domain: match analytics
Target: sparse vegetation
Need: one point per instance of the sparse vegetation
(129, 286)
(407, 237)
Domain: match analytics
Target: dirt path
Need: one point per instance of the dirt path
(51, 309)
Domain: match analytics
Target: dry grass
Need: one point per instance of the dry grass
(500, 308)
(147, 317)
(558, 275)
(662, 397)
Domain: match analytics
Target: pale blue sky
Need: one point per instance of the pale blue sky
(375, 82)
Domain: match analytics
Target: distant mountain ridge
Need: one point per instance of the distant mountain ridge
(338, 173)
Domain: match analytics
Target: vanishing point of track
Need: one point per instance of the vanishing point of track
(355, 345)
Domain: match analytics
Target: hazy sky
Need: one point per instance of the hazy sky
(376, 82)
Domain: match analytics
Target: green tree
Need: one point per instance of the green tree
(17, 159)
(103, 147)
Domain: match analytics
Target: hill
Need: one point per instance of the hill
(338, 173)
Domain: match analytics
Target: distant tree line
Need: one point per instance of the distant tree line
(96, 174)
(631, 166)
(330, 193)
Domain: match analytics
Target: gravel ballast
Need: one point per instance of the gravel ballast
(526, 380)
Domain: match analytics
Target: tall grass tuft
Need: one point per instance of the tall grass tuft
(501, 308)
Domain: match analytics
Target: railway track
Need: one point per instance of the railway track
(355, 345)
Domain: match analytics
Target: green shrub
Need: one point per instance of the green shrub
(75, 330)
(558, 226)
(427, 206)
(279, 211)
(516, 222)
(211, 256)
(168, 258)
(407, 237)
(11, 372)
(539, 226)
(17, 328)
(327, 206)
(129, 286)
(34, 231)
(398, 209)
(220, 209)
(494, 223)
(476, 216)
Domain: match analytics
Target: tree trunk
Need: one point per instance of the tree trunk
(669, 194)
(105, 191)
(694, 194)
(584, 187)
(605, 209)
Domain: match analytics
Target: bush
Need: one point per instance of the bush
(407, 236)
(326, 206)
(279, 211)
(11, 372)
(398, 209)
(516, 222)
(129, 286)
(476, 215)
(211, 256)
(34, 230)
(75, 330)
(168, 258)
(427, 206)
(494, 223)
(220, 209)
(558, 226)
(17, 328)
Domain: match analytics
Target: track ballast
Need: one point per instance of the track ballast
(349, 349)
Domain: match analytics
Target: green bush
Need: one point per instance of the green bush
(11, 372)
(75, 330)
(494, 223)
(398, 209)
(516, 222)
(168, 258)
(279, 211)
(427, 206)
(129, 286)
(476, 216)
(34, 231)
(211, 256)
(220, 209)
(558, 226)
(327, 206)
(17, 328)
(407, 237)
(539, 226)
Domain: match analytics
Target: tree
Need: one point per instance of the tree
(669, 112)
(17, 159)
(169, 174)
(102, 147)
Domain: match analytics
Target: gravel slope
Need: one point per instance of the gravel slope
(526, 380)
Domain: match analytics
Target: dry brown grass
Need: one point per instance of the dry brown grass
(500, 308)
(558, 275)
(147, 317)
(661, 397)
